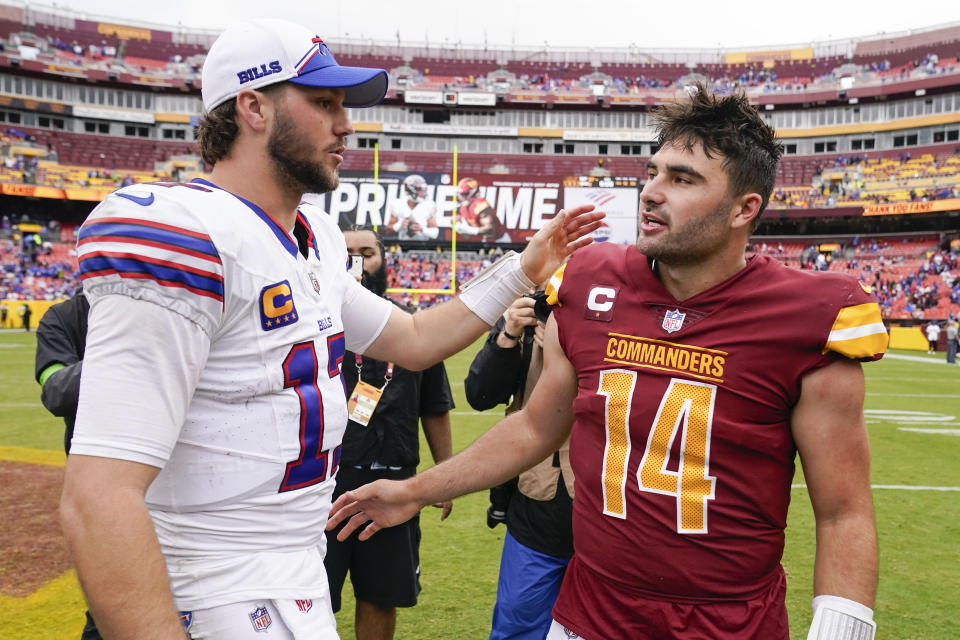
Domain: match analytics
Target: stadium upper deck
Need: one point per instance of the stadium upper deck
(54, 41)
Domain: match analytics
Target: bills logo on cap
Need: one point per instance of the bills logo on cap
(261, 618)
(255, 73)
(673, 320)
(318, 47)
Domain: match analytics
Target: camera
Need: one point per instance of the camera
(541, 308)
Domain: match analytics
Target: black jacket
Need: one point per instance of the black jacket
(61, 339)
(496, 376)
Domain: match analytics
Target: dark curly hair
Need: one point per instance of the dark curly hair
(218, 129)
(730, 127)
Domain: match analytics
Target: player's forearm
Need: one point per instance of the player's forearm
(114, 548)
(511, 446)
(846, 560)
(436, 430)
(425, 338)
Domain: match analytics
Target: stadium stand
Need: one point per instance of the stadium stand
(560, 113)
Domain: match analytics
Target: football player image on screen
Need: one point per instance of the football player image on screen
(689, 379)
(475, 216)
(412, 216)
(211, 408)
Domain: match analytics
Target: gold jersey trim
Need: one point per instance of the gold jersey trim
(553, 286)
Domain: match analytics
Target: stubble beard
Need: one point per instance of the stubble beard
(691, 243)
(292, 156)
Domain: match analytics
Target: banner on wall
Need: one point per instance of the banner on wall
(420, 206)
(618, 197)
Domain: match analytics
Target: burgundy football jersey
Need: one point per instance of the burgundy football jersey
(681, 446)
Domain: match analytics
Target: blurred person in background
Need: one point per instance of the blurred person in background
(385, 404)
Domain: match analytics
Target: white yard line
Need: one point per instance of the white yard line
(895, 487)
(900, 356)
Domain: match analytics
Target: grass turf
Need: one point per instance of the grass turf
(459, 557)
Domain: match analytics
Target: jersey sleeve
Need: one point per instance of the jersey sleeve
(143, 244)
(140, 370)
(364, 315)
(858, 331)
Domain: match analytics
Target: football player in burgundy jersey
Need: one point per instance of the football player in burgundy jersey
(691, 377)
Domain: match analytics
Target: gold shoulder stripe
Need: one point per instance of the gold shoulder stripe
(553, 287)
(858, 332)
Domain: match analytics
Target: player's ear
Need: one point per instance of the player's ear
(746, 209)
(253, 109)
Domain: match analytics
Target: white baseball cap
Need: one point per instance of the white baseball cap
(258, 53)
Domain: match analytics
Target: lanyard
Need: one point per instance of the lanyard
(388, 376)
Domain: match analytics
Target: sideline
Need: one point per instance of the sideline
(28, 455)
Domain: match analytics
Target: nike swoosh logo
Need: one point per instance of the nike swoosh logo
(140, 200)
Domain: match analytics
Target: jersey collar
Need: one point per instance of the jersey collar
(278, 231)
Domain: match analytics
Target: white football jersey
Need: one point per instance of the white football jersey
(421, 213)
(243, 496)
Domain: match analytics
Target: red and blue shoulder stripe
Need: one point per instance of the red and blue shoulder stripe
(143, 249)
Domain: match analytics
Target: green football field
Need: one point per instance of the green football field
(913, 404)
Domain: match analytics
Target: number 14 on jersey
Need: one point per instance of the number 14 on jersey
(686, 408)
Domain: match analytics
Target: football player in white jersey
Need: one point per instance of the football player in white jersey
(412, 215)
(211, 406)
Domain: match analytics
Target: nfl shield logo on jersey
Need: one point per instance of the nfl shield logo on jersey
(261, 618)
(304, 605)
(186, 618)
(673, 321)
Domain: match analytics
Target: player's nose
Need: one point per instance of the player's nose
(651, 194)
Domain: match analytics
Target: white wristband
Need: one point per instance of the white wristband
(836, 618)
(490, 292)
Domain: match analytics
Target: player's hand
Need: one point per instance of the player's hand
(519, 315)
(445, 508)
(414, 227)
(559, 237)
(384, 503)
(538, 334)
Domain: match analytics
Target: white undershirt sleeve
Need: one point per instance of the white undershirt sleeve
(140, 369)
(364, 315)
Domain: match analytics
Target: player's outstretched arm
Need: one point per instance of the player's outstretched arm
(831, 436)
(512, 445)
(420, 340)
(115, 550)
